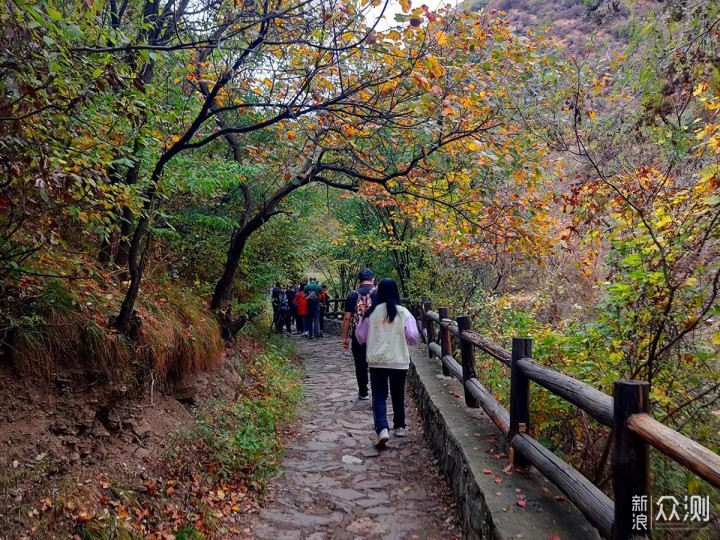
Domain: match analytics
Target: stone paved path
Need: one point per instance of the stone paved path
(336, 485)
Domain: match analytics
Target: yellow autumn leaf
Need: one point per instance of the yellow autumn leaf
(405, 5)
(699, 89)
(442, 38)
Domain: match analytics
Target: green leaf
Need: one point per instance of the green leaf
(73, 31)
(632, 260)
(54, 14)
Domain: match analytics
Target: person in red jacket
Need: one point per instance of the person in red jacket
(300, 302)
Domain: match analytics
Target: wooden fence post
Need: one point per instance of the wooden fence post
(424, 301)
(630, 462)
(445, 340)
(467, 353)
(519, 396)
(429, 326)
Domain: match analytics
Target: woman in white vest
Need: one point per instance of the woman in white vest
(388, 329)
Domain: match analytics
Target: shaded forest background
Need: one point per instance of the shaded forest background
(550, 168)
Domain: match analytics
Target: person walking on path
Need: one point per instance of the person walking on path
(356, 304)
(282, 317)
(300, 302)
(323, 308)
(290, 292)
(274, 300)
(312, 291)
(387, 329)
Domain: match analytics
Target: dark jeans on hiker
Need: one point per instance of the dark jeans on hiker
(323, 309)
(359, 353)
(282, 318)
(379, 378)
(313, 318)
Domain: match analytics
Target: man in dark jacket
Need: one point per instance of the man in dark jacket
(356, 304)
(312, 291)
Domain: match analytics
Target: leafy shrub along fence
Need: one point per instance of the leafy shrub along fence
(626, 413)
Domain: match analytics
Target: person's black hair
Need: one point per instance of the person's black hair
(388, 294)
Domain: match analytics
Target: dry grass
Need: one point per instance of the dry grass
(57, 332)
(181, 336)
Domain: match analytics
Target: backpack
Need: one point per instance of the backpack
(312, 292)
(364, 301)
(283, 301)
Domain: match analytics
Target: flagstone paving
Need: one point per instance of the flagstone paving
(336, 485)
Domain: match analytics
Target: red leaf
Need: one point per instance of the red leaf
(554, 537)
(522, 503)
(487, 471)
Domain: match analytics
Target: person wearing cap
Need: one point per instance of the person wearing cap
(312, 291)
(356, 304)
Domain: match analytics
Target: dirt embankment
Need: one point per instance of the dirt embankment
(64, 442)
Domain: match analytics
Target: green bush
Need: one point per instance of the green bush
(239, 442)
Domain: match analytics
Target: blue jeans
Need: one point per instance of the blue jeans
(313, 318)
(379, 378)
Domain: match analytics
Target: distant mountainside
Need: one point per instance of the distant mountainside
(588, 29)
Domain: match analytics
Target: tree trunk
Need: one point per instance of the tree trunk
(126, 228)
(223, 289)
(136, 267)
(106, 245)
(126, 222)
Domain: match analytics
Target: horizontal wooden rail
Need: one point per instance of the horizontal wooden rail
(682, 449)
(452, 365)
(593, 503)
(487, 346)
(433, 316)
(497, 413)
(594, 402)
(450, 325)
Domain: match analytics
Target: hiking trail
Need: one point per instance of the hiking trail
(335, 484)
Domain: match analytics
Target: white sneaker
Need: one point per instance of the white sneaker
(383, 437)
(305, 334)
(400, 432)
(363, 398)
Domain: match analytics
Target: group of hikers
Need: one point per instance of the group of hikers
(376, 328)
(305, 305)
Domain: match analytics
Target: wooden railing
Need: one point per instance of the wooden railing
(626, 413)
(335, 308)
